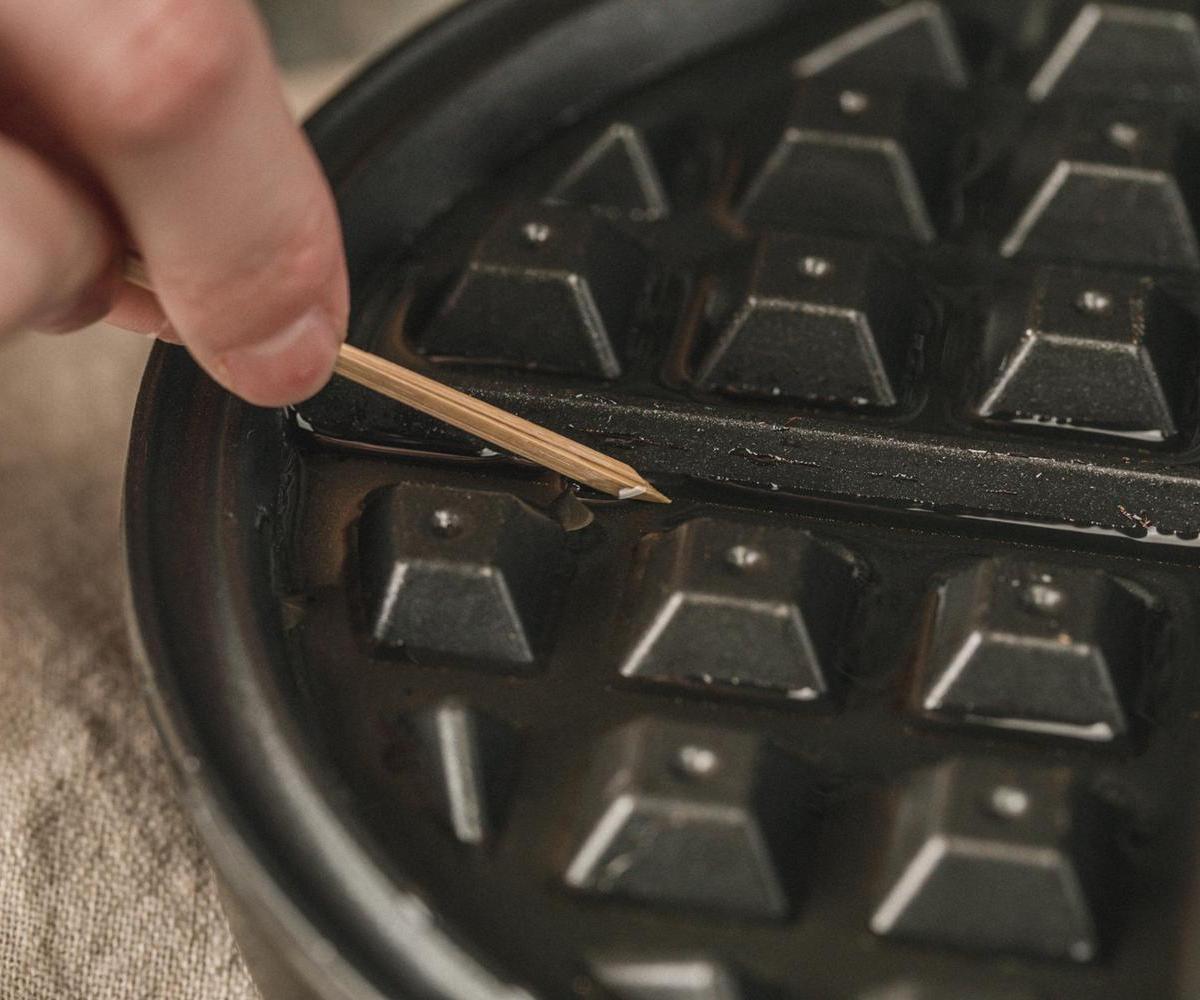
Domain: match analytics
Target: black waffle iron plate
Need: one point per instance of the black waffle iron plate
(898, 700)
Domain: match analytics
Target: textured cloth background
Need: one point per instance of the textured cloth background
(104, 891)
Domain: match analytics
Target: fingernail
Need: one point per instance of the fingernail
(286, 368)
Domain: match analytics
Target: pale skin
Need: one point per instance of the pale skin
(160, 125)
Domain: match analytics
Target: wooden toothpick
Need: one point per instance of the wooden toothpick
(496, 426)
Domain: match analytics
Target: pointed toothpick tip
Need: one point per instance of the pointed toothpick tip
(645, 492)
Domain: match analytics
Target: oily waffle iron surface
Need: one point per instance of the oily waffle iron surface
(898, 699)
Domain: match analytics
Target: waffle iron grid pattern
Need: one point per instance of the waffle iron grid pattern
(897, 699)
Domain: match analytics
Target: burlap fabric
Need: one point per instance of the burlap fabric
(104, 890)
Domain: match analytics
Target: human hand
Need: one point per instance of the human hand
(161, 124)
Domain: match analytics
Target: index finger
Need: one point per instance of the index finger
(176, 106)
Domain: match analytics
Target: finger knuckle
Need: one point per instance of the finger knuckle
(309, 255)
(277, 276)
(296, 256)
(164, 67)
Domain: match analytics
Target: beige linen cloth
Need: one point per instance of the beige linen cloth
(104, 890)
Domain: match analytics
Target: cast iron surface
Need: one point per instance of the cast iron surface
(898, 698)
